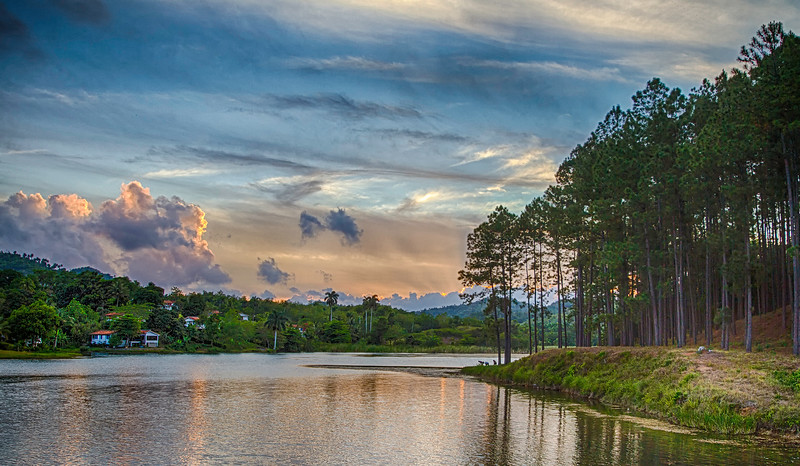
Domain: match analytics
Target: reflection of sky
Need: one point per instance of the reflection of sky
(265, 409)
(413, 118)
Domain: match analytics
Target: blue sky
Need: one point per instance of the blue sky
(283, 148)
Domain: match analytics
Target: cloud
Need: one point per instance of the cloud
(421, 135)
(336, 220)
(182, 172)
(227, 158)
(341, 106)
(83, 11)
(308, 296)
(309, 225)
(549, 67)
(267, 295)
(290, 190)
(270, 273)
(146, 238)
(339, 221)
(426, 301)
(326, 277)
(345, 63)
(15, 36)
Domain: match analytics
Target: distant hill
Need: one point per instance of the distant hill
(25, 264)
(519, 311)
(92, 269)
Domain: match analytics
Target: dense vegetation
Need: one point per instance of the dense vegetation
(44, 306)
(676, 217)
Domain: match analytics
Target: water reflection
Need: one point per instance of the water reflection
(256, 409)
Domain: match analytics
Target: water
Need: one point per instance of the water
(271, 409)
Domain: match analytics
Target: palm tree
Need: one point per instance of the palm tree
(331, 298)
(277, 320)
(370, 303)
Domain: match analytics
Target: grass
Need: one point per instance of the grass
(63, 354)
(725, 392)
(369, 348)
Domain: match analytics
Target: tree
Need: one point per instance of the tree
(166, 322)
(32, 322)
(78, 321)
(127, 327)
(331, 298)
(335, 332)
(277, 320)
(370, 304)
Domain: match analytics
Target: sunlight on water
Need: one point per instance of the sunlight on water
(261, 409)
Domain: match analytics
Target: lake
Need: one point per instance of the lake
(274, 409)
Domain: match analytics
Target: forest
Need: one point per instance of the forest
(44, 307)
(675, 218)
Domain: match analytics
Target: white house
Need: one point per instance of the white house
(243, 316)
(147, 338)
(190, 320)
(168, 305)
(101, 337)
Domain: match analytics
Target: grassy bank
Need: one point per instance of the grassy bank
(369, 348)
(61, 354)
(725, 392)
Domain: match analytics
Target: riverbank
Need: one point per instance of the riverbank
(60, 354)
(324, 348)
(730, 392)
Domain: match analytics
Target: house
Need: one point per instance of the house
(190, 320)
(146, 338)
(114, 315)
(243, 316)
(168, 305)
(101, 337)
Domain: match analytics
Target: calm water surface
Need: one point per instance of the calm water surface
(272, 409)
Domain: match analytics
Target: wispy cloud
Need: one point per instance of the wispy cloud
(341, 106)
(290, 189)
(182, 172)
(344, 63)
(549, 67)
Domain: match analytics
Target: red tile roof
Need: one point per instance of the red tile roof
(103, 332)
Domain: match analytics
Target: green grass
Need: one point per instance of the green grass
(369, 348)
(63, 354)
(731, 395)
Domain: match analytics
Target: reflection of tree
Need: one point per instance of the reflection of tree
(497, 439)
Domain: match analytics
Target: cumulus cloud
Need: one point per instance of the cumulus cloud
(146, 238)
(337, 221)
(270, 273)
(309, 296)
(267, 295)
(309, 225)
(415, 302)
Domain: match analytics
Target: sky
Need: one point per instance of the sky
(285, 148)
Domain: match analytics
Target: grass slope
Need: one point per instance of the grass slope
(729, 392)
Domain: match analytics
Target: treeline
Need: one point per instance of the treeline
(676, 217)
(45, 306)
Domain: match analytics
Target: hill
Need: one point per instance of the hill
(25, 264)
(519, 311)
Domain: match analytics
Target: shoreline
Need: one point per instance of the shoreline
(731, 393)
